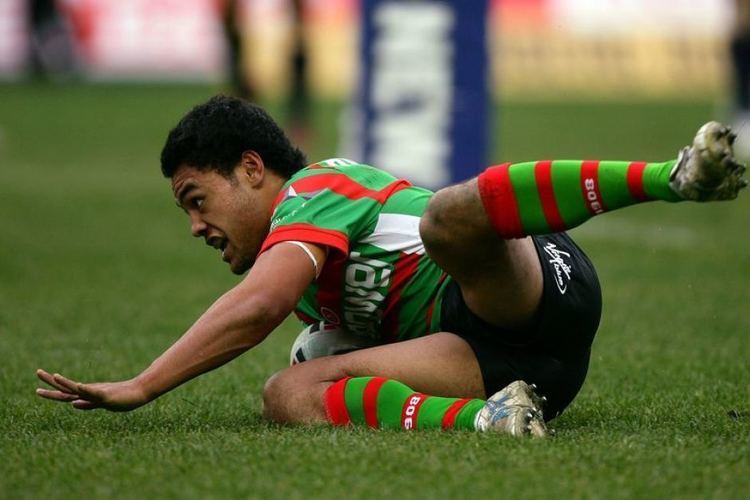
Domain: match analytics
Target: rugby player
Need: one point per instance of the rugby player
(484, 309)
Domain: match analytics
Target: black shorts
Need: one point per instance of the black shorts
(553, 352)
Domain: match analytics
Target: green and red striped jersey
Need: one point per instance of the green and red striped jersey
(377, 281)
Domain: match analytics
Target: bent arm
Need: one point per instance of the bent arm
(236, 322)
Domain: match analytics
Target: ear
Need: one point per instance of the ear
(252, 168)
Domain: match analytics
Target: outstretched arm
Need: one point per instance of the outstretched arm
(236, 322)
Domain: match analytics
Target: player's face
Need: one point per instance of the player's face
(232, 214)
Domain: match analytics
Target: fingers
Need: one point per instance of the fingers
(65, 389)
(50, 380)
(81, 396)
(90, 393)
(82, 404)
(67, 384)
(56, 395)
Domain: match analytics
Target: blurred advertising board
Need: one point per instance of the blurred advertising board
(13, 37)
(149, 38)
(133, 39)
(421, 106)
(611, 48)
(536, 47)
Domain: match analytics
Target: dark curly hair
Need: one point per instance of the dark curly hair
(213, 136)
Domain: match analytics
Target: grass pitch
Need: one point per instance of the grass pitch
(98, 274)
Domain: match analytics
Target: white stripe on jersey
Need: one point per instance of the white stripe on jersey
(336, 162)
(396, 232)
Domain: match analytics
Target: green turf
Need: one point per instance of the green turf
(98, 274)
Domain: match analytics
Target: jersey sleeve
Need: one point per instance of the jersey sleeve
(323, 217)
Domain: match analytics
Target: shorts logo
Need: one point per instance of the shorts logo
(562, 268)
(329, 315)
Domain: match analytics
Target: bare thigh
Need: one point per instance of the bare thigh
(501, 280)
(441, 364)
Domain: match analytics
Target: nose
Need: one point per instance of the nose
(197, 226)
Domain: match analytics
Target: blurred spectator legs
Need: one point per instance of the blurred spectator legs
(298, 102)
(233, 34)
(299, 98)
(52, 47)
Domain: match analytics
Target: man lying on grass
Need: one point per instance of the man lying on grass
(478, 300)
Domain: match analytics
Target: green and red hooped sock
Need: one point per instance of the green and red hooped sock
(382, 403)
(552, 196)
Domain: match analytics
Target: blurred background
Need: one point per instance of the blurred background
(414, 80)
(537, 47)
(347, 51)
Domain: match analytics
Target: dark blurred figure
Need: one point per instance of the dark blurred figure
(740, 55)
(298, 104)
(299, 98)
(52, 47)
(233, 34)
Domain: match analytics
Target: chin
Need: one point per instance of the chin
(240, 267)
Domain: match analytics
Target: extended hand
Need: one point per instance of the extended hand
(113, 396)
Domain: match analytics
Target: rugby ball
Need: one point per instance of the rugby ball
(324, 339)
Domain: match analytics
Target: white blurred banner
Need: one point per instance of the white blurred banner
(677, 18)
(151, 38)
(14, 43)
(129, 39)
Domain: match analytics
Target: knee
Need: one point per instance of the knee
(273, 397)
(436, 221)
(452, 217)
(295, 395)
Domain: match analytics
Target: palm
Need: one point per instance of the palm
(113, 396)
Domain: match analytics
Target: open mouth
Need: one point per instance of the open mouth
(219, 244)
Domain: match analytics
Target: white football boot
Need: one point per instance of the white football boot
(708, 170)
(515, 410)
